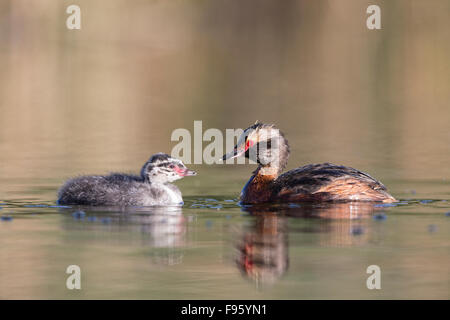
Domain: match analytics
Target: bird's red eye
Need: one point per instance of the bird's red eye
(248, 144)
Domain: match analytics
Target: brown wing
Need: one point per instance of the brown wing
(329, 182)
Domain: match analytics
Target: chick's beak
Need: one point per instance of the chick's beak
(184, 172)
(188, 172)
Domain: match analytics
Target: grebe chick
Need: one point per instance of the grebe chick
(151, 188)
(268, 147)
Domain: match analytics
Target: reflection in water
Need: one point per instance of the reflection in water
(161, 228)
(290, 251)
(262, 249)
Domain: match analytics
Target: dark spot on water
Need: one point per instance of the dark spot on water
(6, 218)
(380, 217)
(356, 231)
(208, 223)
(36, 206)
(79, 215)
(106, 220)
(385, 205)
(432, 228)
(228, 200)
(294, 205)
(218, 207)
(425, 201)
(447, 214)
(92, 218)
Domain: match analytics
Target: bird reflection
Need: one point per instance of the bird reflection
(161, 228)
(262, 250)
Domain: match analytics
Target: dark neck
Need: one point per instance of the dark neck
(259, 188)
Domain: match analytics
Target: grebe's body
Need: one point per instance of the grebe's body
(315, 182)
(151, 188)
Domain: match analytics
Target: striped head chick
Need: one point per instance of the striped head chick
(161, 168)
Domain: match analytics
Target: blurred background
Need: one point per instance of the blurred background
(106, 97)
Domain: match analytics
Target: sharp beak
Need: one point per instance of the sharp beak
(186, 172)
(237, 152)
(189, 172)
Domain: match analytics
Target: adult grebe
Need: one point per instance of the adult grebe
(151, 188)
(267, 146)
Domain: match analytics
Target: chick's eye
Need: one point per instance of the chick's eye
(172, 166)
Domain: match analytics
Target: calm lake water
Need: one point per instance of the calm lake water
(212, 248)
(108, 96)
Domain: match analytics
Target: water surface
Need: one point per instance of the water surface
(214, 248)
